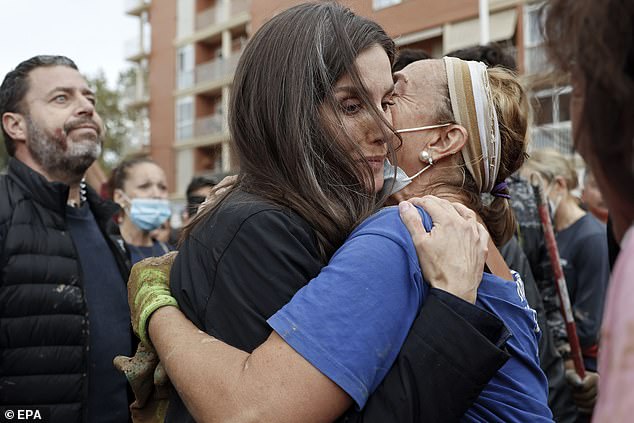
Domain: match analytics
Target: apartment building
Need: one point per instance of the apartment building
(187, 51)
(136, 97)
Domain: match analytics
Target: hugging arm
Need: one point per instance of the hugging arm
(220, 383)
(449, 355)
(451, 352)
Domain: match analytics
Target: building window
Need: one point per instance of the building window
(382, 4)
(185, 67)
(535, 60)
(184, 118)
(552, 119)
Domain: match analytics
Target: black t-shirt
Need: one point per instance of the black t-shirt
(237, 268)
(108, 316)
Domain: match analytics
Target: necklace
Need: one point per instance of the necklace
(82, 195)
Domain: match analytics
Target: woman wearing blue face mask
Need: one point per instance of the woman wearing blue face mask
(139, 186)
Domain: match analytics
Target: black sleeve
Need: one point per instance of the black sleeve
(442, 367)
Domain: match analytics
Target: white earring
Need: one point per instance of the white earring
(426, 157)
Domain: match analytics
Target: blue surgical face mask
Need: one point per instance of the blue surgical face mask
(149, 213)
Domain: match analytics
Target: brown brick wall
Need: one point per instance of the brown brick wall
(408, 17)
(162, 77)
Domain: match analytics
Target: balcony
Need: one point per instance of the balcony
(208, 18)
(204, 131)
(210, 23)
(220, 13)
(209, 125)
(216, 69)
(136, 7)
(135, 51)
(208, 77)
(136, 97)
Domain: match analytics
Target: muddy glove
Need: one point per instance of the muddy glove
(149, 290)
(584, 392)
(149, 383)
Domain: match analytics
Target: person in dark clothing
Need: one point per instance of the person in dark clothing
(581, 240)
(490, 55)
(198, 190)
(63, 300)
(288, 213)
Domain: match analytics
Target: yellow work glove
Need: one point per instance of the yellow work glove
(149, 290)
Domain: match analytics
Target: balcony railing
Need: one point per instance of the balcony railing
(133, 94)
(134, 49)
(220, 13)
(209, 125)
(216, 69)
(207, 18)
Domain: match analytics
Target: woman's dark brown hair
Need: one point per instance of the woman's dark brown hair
(287, 155)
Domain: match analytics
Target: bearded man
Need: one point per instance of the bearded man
(63, 299)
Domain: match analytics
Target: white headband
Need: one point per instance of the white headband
(473, 108)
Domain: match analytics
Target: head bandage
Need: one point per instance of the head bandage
(473, 108)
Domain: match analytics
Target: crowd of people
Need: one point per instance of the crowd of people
(379, 257)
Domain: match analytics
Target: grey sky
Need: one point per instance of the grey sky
(91, 32)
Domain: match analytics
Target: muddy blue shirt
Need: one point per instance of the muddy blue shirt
(351, 320)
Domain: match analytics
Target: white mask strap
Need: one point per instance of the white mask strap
(422, 128)
(411, 178)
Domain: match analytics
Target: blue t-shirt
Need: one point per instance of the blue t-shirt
(352, 319)
(108, 318)
(138, 253)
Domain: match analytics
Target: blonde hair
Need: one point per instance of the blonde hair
(513, 110)
(550, 164)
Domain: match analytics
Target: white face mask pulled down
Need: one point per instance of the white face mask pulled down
(395, 178)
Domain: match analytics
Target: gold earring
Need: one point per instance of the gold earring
(424, 156)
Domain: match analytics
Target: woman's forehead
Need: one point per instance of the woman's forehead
(420, 77)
